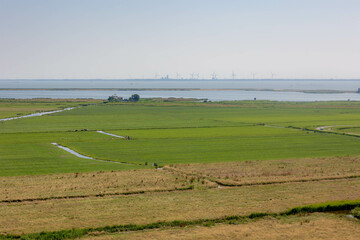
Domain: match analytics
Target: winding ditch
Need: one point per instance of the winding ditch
(83, 156)
(36, 114)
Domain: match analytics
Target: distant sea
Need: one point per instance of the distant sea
(212, 87)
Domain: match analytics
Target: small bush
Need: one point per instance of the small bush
(356, 212)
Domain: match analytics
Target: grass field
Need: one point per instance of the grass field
(90, 184)
(256, 172)
(24, 154)
(349, 129)
(218, 159)
(32, 153)
(37, 216)
(15, 108)
(172, 133)
(314, 226)
(167, 115)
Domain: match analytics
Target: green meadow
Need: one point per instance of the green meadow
(15, 107)
(171, 133)
(218, 144)
(355, 130)
(24, 154)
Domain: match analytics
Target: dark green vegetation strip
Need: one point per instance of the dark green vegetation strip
(76, 233)
(324, 207)
(356, 212)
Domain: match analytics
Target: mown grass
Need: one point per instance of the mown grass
(312, 226)
(235, 219)
(58, 214)
(272, 171)
(46, 187)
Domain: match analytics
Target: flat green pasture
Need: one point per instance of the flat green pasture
(28, 154)
(148, 116)
(15, 108)
(348, 129)
(173, 133)
(107, 117)
(171, 146)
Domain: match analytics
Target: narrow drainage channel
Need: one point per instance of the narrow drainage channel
(72, 151)
(36, 114)
(85, 157)
(110, 134)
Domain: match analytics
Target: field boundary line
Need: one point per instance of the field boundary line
(191, 187)
(316, 130)
(130, 129)
(289, 181)
(220, 183)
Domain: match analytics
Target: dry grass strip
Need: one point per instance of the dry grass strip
(18, 218)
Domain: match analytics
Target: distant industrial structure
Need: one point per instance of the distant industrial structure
(358, 90)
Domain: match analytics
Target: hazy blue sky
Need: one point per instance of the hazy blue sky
(123, 38)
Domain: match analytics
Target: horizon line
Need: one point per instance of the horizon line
(187, 79)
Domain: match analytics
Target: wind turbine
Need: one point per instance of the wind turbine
(233, 75)
(253, 75)
(213, 76)
(273, 75)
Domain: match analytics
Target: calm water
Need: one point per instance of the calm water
(211, 95)
(348, 85)
(214, 95)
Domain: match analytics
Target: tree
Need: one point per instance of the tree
(114, 98)
(134, 98)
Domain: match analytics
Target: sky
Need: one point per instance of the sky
(111, 39)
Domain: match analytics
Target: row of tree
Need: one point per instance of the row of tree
(115, 98)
